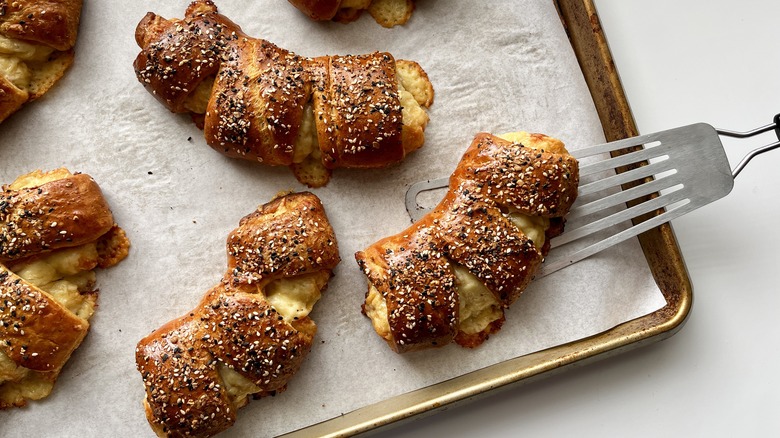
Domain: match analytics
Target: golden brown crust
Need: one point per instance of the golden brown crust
(53, 23)
(257, 103)
(41, 213)
(178, 55)
(522, 176)
(475, 234)
(319, 10)
(64, 213)
(286, 237)
(469, 228)
(181, 384)
(358, 111)
(47, 23)
(261, 92)
(387, 13)
(417, 283)
(235, 326)
(36, 332)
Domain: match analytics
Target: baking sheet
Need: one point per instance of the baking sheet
(497, 66)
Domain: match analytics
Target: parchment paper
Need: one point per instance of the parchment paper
(497, 66)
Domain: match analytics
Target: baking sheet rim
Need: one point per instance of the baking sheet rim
(659, 245)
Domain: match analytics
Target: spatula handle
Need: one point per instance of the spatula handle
(775, 125)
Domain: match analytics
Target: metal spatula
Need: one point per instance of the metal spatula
(649, 180)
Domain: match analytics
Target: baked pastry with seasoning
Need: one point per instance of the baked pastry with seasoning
(387, 13)
(55, 230)
(259, 102)
(450, 276)
(36, 47)
(249, 334)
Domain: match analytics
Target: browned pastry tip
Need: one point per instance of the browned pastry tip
(359, 129)
(61, 213)
(36, 48)
(250, 334)
(415, 278)
(302, 241)
(55, 228)
(53, 23)
(319, 10)
(259, 102)
(387, 13)
(178, 55)
(451, 274)
(521, 176)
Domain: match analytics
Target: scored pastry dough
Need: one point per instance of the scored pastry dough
(36, 47)
(259, 102)
(55, 229)
(250, 334)
(451, 275)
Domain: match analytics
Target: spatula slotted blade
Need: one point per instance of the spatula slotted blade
(642, 181)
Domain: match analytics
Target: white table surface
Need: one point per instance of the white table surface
(680, 62)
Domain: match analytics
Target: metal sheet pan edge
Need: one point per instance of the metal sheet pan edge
(580, 19)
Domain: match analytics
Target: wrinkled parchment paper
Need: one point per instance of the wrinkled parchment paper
(496, 66)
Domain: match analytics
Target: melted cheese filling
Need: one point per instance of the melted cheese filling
(198, 101)
(478, 306)
(238, 387)
(376, 310)
(534, 227)
(14, 58)
(306, 142)
(306, 151)
(293, 298)
(65, 275)
(541, 142)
